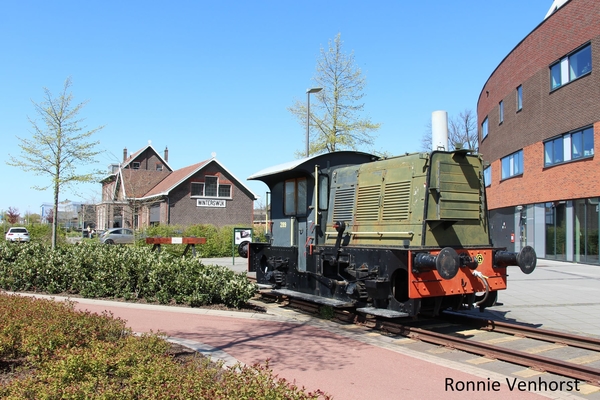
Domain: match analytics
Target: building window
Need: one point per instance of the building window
(487, 176)
(210, 188)
(135, 165)
(211, 184)
(197, 189)
(159, 167)
(569, 147)
(501, 112)
(224, 190)
(512, 165)
(520, 98)
(571, 67)
(484, 128)
(294, 201)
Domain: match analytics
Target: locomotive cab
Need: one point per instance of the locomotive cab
(298, 210)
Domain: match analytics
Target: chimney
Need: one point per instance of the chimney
(125, 154)
(439, 131)
(166, 154)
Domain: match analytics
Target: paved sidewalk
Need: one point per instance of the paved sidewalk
(557, 295)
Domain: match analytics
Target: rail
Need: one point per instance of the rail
(535, 361)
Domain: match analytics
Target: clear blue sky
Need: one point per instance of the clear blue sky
(217, 76)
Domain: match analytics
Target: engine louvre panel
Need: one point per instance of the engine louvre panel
(343, 205)
(396, 202)
(367, 207)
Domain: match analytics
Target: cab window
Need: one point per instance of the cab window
(295, 197)
(323, 192)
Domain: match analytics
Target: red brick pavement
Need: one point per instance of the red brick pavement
(313, 357)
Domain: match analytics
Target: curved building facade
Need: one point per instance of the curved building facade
(539, 124)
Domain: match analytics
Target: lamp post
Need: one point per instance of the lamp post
(308, 92)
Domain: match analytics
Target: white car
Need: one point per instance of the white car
(17, 234)
(117, 236)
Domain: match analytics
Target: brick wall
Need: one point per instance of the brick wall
(571, 180)
(238, 210)
(148, 160)
(545, 113)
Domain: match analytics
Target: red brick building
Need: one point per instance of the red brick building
(539, 121)
(144, 190)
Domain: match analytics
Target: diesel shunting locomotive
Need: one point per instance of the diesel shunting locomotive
(393, 237)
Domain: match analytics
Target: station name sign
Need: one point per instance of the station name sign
(211, 203)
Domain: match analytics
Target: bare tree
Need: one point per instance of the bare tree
(57, 146)
(335, 123)
(462, 133)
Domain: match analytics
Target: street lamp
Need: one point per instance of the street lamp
(308, 92)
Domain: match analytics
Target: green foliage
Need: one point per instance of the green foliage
(335, 121)
(78, 355)
(35, 329)
(258, 235)
(326, 312)
(219, 241)
(129, 272)
(58, 146)
(42, 232)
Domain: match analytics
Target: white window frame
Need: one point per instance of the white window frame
(512, 165)
(198, 184)
(566, 69)
(487, 176)
(484, 128)
(568, 147)
(219, 189)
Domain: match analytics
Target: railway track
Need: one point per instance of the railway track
(567, 355)
(502, 345)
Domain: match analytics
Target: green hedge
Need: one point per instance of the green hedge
(219, 241)
(130, 272)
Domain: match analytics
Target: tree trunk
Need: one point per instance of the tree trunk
(55, 219)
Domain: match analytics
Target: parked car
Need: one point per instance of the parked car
(17, 234)
(117, 236)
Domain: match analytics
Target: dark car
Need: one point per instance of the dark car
(118, 236)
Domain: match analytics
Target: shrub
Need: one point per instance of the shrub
(130, 272)
(219, 241)
(35, 329)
